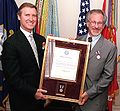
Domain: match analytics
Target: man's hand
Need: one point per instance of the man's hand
(40, 94)
(83, 99)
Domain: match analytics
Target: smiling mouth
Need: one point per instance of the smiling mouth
(30, 24)
(96, 30)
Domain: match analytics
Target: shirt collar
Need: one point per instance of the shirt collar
(93, 38)
(25, 32)
(96, 37)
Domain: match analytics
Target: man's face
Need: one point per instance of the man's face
(95, 24)
(28, 18)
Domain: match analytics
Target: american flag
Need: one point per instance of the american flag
(84, 8)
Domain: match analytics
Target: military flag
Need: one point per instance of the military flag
(8, 24)
(48, 22)
(44, 18)
(53, 21)
(109, 32)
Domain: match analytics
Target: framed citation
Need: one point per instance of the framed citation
(64, 68)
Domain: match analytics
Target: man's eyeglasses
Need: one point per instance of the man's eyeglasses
(93, 23)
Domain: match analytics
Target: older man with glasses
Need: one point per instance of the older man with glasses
(102, 62)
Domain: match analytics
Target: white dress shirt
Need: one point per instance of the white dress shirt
(94, 40)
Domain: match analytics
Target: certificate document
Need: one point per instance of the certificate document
(65, 62)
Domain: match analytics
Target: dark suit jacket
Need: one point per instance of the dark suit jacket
(22, 72)
(99, 74)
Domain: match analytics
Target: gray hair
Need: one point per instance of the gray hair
(98, 11)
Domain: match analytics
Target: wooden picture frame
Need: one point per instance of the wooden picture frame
(64, 68)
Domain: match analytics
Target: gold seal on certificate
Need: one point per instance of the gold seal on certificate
(64, 68)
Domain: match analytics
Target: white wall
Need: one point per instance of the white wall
(68, 16)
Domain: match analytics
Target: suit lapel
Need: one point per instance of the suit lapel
(82, 38)
(97, 46)
(23, 40)
(27, 45)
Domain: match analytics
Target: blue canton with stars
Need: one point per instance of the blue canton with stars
(84, 8)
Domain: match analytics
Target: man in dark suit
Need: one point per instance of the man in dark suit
(22, 63)
(102, 62)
